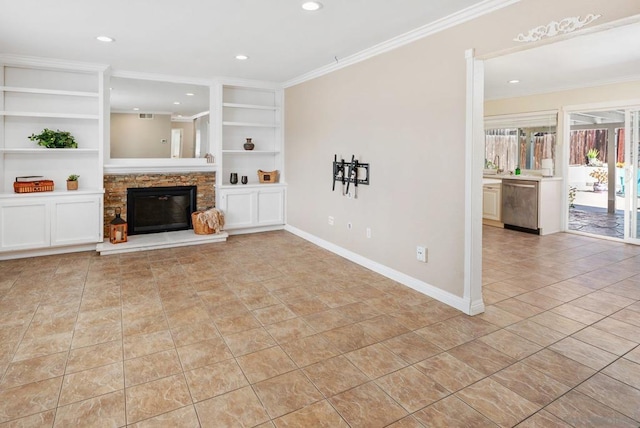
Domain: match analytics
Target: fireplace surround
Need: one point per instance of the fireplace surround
(116, 186)
(160, 209)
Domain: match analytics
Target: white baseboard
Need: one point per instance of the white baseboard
(460, 303)
(10, 255)
(254, 230)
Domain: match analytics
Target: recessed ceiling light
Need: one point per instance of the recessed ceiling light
(176, 102)
(242, 57)
(189, 94)
(136, 109)
(311, 5)
(106, 39)
(514, 81)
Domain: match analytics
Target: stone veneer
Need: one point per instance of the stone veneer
(116, 185)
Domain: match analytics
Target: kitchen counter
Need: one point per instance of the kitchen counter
(549, 200)
(500, 177)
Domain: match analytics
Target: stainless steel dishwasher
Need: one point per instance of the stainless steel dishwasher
(520, 205)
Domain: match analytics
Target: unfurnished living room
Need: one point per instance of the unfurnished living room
(199, 226)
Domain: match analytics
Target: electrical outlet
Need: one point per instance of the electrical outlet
(421, 253)
(368, 232)
(331, 220)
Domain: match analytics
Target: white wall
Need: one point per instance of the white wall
(404, 113)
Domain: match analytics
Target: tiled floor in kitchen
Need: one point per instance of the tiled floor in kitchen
(269, 330)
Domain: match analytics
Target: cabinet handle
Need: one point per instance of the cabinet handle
(526, 186)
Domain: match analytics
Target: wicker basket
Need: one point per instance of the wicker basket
(198, 227)
(33, 186)
(268, 176)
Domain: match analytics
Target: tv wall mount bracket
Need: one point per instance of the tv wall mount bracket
(348, 173)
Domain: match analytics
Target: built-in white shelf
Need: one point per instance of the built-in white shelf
(48, 91)
(257, 125)
(251, 152)
(252, 185)
(250, 106)
(47, 151)
(49, 115)
(55, 193)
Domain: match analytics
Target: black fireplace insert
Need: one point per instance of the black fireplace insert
(160, 209)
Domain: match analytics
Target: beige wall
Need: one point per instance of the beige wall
(404, 113)
(132, 137)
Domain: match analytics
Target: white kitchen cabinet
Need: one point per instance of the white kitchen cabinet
(29, 222)
(492, 201)
(549, 203)
(253, 207)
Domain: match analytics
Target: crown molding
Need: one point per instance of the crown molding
(50, 63)
(442, 24)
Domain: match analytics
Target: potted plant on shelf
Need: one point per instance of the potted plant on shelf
(55, 139)
(72, 182)
(601, 177)
(592, 157)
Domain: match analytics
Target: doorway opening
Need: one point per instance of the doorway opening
(603, 175)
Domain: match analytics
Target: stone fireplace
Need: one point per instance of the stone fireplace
(116, 186)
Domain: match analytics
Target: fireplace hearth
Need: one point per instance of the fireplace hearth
(160, 209)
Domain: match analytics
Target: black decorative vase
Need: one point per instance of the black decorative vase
(244, 179)
(249, 145)
(233, 179)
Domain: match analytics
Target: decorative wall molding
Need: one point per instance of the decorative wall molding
(554, 28)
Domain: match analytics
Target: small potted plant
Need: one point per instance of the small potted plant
(592, 157)
(72, 182)
(54, 139)
(602, 179)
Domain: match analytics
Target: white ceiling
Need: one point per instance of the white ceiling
(601, 57)
(200, 38)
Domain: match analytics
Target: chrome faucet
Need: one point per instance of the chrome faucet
(496, 161)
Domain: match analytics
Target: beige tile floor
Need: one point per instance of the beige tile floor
(269, 330)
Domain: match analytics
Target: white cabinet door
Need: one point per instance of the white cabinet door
(76, 221)
(24, 225)
(239, 207)
(491, 202)
(252, 207)
(270, 207)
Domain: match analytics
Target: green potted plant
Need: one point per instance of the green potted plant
(54, 139)
(592, 156)
(72, 182)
